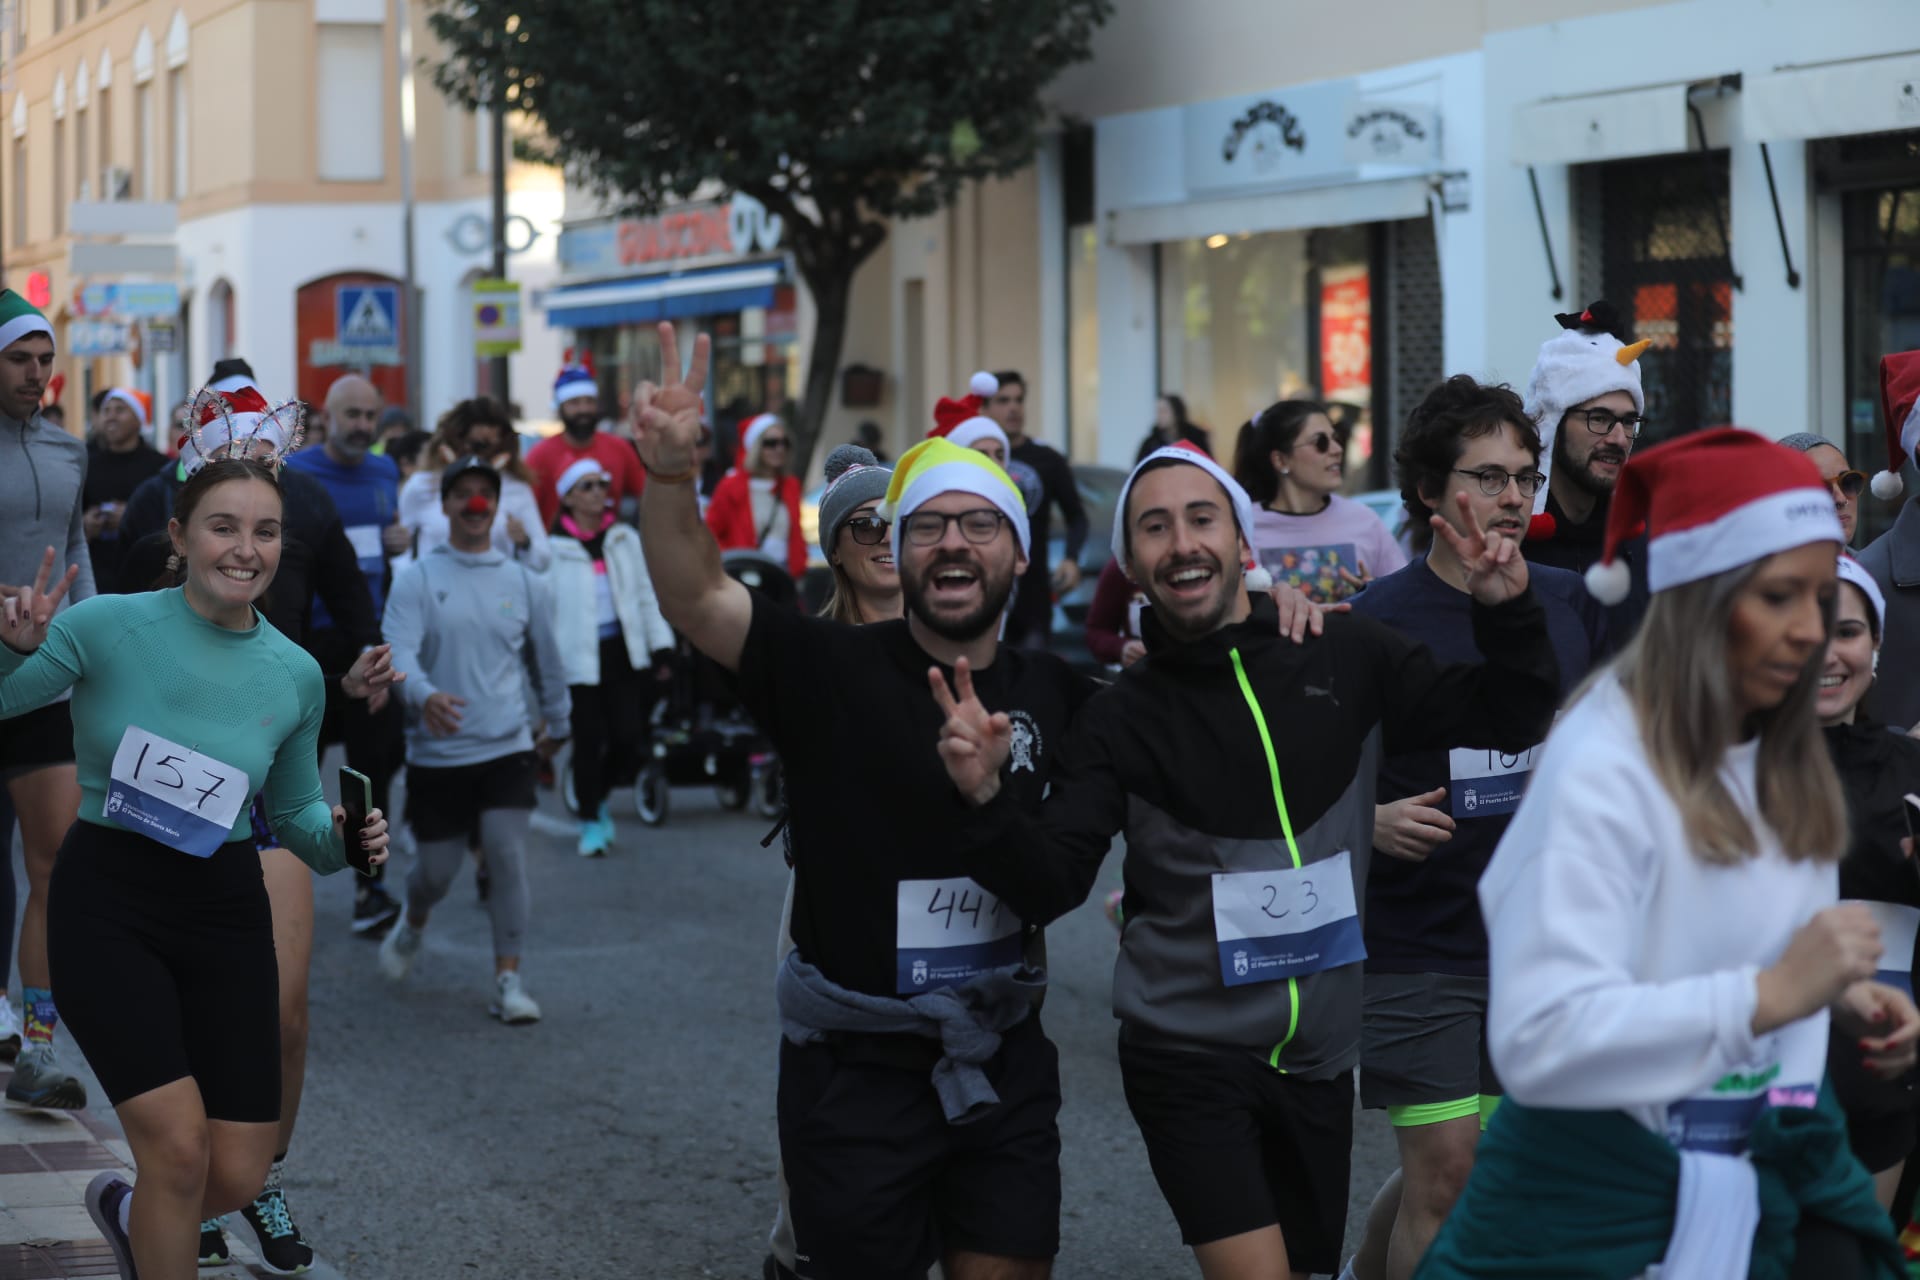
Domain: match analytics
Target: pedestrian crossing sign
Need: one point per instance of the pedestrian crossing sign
(367, 315)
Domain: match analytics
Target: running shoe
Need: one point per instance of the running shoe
(104, 1195)
(39, 1082)
(511, 1003)
(374, 910)
(282, 1248)
(398, 949)
(213, 1243)
(9, 1030)
(596, 837)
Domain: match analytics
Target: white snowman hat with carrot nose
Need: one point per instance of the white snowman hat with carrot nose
(1584, 360)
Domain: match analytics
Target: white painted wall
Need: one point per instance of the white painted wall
(1784, 370)
(269, 251)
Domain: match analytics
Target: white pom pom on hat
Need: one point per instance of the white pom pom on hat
(983, 384)
(1887, 485)
(1900, 406)
(1258, 579)
(1609, 581)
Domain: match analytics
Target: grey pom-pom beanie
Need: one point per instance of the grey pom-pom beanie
(854, 476)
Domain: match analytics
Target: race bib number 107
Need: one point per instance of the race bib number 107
(173, 794)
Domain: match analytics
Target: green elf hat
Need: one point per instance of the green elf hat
(18, 318)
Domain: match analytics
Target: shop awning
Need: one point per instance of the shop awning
(643, 299)
(1860, 95)
(1603, 126)
(1331, 206)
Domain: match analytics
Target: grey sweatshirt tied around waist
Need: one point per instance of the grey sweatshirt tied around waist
(967, 1020)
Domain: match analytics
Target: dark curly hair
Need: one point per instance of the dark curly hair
(1436, 433)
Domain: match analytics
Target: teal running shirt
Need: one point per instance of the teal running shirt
(167, 706)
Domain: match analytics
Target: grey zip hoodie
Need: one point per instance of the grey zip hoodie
(461, 623)
(42, 472)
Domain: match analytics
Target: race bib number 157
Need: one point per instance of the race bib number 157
(173, 794)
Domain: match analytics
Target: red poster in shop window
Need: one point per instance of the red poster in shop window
(1346, 335)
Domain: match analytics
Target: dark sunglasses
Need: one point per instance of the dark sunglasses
(1848, 484)
(591, 483)
(1323, 441)
(775, 442)
(868, 531)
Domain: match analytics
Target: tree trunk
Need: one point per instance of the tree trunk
(831, 285)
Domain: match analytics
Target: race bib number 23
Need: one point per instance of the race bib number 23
(174, 795)
(1286, 923)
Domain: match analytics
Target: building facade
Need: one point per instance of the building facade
(263, 143)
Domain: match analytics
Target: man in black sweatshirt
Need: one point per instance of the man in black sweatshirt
(1242, 769)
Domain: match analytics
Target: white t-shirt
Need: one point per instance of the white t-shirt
(769, 513)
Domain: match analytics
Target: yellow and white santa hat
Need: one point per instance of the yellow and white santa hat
(938, 466)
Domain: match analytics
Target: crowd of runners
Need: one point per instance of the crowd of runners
(1567, 823)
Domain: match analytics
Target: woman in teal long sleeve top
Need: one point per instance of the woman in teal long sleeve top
(186, 703)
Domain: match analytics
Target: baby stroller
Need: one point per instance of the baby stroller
(701, 735)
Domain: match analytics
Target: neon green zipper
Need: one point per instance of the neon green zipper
(1286, 828)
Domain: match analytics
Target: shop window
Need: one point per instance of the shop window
(1878, 178)
(1660, 228)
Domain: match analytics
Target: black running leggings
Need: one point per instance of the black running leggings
(163, 966)
(611, 726)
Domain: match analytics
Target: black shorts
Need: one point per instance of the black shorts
(41, 737)
(163, 967)
(1236, 1146)
(445, 804)
(880, 1185)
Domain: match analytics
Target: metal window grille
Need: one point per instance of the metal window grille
(1652, 239)
(1415, 349)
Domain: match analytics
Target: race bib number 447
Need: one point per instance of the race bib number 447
(1286, 923)
(173, 794)
(948, 931)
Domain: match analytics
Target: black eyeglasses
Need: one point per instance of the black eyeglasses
(1602, 421)
(926, 528)
(775, 442)
(1493, 480)
(871, 531)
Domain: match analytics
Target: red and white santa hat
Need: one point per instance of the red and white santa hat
(1900, 400)
(962, 421)
(751, 429)
(1710, 502)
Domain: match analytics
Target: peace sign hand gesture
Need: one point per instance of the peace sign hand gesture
(1496, 571)
(666, 418)
(26, 612)
(974, 744)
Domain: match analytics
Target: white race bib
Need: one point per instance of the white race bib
(1485, 784)
(1898, 927)
(173, 794)
(1785, 1071)
(366, 541)
(1282, 924)
(948, 931)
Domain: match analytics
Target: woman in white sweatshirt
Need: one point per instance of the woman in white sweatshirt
(1665, 942)
(613, 643)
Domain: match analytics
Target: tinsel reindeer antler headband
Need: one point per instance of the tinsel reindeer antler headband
(239, 424)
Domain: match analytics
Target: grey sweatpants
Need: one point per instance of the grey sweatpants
(503, 843)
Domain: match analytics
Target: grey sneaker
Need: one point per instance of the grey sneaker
(511, 1003)
(398, 949)
(39, 1082)
(104, 1195)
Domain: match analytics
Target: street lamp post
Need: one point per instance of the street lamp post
(497, 140)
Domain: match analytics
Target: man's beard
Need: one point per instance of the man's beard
(1577, 473)
(354, 444)
(1230, 582)
(581, 426)
(995, 591)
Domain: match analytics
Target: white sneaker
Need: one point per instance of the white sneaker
(398, 949)
(9, 1030)
(511, 1003)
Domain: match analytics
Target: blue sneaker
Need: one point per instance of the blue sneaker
(596, 837)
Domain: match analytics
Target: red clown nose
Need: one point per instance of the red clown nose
(478, 504)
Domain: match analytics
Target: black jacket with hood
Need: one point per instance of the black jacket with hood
(1173, 755)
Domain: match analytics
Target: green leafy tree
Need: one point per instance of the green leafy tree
(837, 115)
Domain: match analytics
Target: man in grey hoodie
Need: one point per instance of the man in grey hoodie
(464, 616)
(42, 473)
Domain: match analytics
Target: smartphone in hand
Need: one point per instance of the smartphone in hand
(356, 797)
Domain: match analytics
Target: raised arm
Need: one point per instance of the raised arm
(696, 595)
(39, 659)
